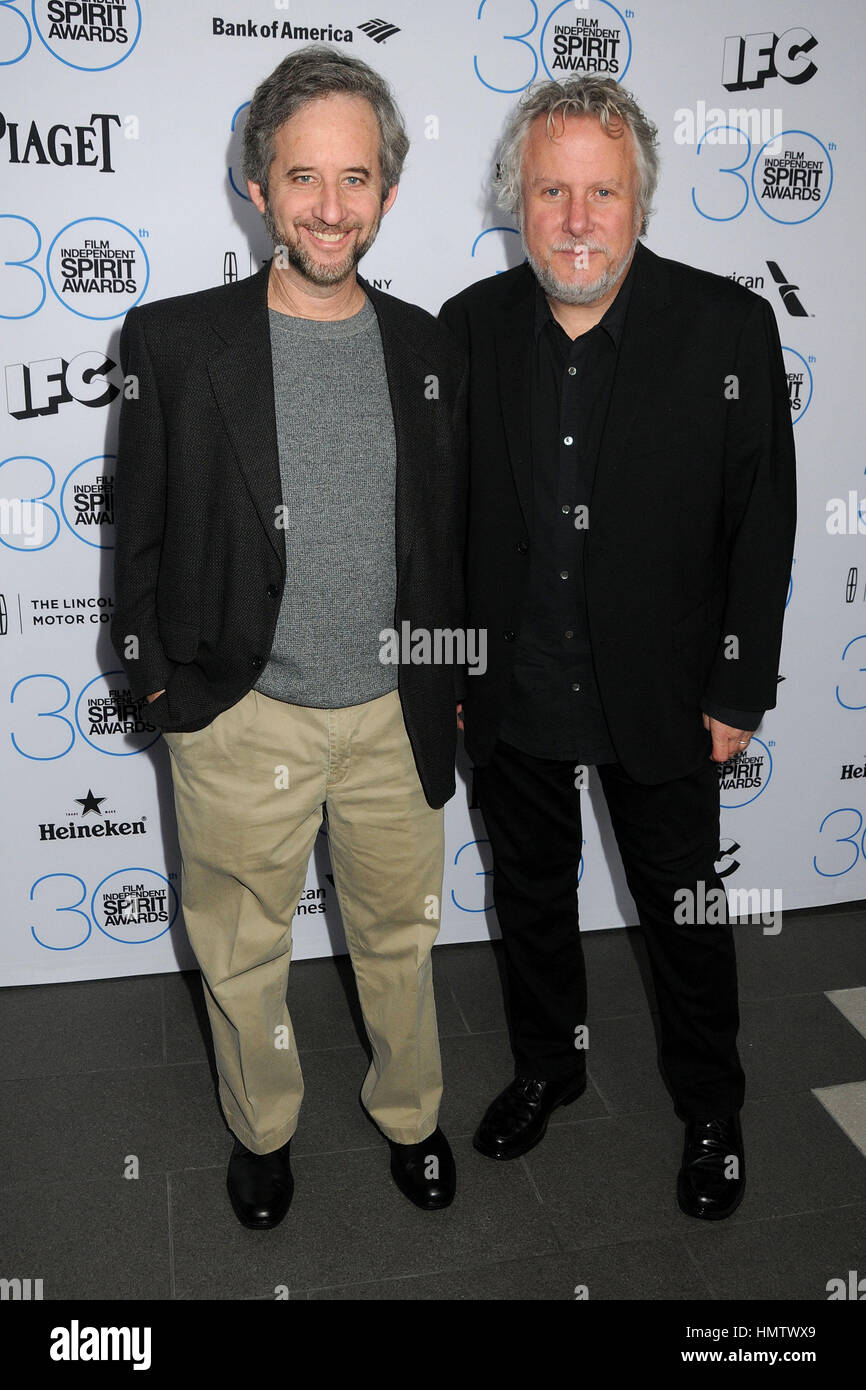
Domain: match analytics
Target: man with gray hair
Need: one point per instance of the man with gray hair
(629, 548)
(288, 487)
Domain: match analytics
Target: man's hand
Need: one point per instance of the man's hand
(727, 742)
(155, 696)
(460, 716)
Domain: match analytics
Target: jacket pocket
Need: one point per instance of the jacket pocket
(179, 639)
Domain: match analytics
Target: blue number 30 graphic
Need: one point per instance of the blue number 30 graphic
(858, 847)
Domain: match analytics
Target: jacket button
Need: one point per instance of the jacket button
(522, 547)
(256, 662)
(273, 590)
(509, 636)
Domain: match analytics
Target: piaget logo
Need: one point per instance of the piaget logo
(87, 146)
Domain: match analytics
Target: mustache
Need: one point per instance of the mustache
(574, 246)
(324, 227)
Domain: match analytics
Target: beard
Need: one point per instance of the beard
(293, 251)
(566, 291)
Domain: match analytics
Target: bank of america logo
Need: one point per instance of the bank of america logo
(379, 29)
(788, 292)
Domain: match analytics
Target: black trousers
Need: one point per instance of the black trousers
(668, 837)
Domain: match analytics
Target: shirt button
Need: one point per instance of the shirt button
(509, 636)
(273, 590)
(569, 634)
(565, 509)
(572, 371)
(522, 547)
(575, 687)
(568, 439)
(563, 574)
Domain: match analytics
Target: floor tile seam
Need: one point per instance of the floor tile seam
(678, 1233)
(799, 994)
(762, 1098)
(101, 1071)
(171, 1263)
(474, 1262)
(684, 1245)
(456, 1002)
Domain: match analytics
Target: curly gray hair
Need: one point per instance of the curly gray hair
(601, 97)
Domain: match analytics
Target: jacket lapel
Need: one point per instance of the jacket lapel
(243, 383)
(515, 342)
(242, 378)
(642, 361)
(406, 371)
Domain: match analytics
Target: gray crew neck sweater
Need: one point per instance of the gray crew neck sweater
(335, 433)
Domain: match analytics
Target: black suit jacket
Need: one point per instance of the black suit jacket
(200, 561)
(691, 520)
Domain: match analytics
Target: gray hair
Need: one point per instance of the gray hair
(601, 97)
(303, 76)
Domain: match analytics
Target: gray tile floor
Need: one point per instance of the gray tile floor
(98, 1074)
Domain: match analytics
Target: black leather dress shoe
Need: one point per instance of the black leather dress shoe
(425, 1172)
(517, 1119)
(260, 1186)
(712, 1177)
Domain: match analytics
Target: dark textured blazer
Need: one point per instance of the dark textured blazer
(200, 562)
(691, 520)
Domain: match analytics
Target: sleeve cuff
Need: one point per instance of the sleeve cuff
(734, 718)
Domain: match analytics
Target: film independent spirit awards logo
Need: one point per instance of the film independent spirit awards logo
(792, 176)
(568, 39)
(744, 777)
(585, 38)
(97, 268)
(90, 35)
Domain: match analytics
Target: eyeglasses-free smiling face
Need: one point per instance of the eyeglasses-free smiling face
(324, 201)
(579, 216)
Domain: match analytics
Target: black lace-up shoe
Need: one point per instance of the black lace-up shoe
(517, 1119)
(425, 1172)
(712, 1177)
(260, 1186)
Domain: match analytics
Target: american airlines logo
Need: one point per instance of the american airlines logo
(787, 291)
(379, 29)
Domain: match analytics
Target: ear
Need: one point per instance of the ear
(255, 192)
(389, 199)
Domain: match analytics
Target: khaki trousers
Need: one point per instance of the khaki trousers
(249, 791)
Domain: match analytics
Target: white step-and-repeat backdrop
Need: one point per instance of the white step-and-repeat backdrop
(119, 150)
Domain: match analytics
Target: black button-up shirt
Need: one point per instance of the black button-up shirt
(553, 708)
